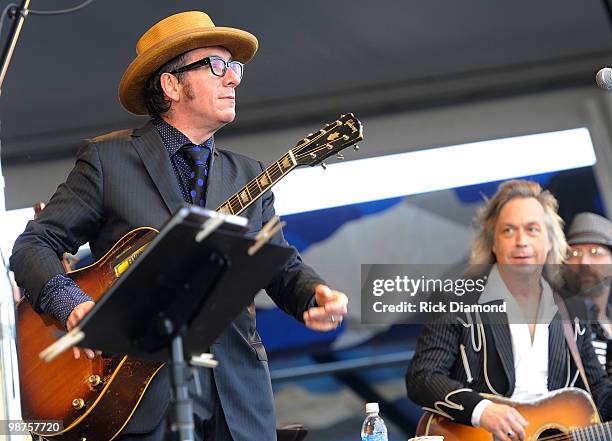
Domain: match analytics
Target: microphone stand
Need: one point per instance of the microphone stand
(18, 15)
(9, 374)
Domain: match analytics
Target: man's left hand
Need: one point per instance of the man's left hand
(332, 307)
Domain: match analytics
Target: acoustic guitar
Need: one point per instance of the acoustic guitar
(95, 398)
(563, 415)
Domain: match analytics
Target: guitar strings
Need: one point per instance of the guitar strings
(565, 436)
(302, 155)
(561, 436)
(310, 141)
(235, 203)
(321, 132)
(298, 148)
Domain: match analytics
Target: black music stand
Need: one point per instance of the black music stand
(182, 288)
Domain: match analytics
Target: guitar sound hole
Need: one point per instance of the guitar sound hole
(548, 433)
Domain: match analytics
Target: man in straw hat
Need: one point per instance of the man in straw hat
(185, 77)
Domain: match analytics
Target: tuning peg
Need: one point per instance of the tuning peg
(356, 147)
(339, 156)
(313, 155)
(324, 165)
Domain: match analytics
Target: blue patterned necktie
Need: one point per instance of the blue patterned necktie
(197, 157)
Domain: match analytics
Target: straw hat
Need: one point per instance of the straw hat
(168, 39)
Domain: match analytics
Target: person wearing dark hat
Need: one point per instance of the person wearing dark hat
(588, 274)
(184, 77)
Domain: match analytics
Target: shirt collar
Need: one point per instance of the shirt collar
(496, 290)
(173, 139)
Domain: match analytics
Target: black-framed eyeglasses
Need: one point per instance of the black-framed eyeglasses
(218, 66)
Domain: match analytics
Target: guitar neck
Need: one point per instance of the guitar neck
(592, 433)
(248, 194)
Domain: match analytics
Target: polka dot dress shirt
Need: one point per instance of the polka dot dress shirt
(174, 140)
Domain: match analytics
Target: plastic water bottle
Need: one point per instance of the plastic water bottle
(373, 428)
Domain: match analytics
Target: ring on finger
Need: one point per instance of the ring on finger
(332, 319)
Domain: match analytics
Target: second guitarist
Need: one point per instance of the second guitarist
(185, 77)
(521, 239)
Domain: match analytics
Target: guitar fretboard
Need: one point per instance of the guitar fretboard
(259, 185)
(596, 432)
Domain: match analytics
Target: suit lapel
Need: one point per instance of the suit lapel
(557, 362)
(221, 181)
(503, 344)
(155, 158)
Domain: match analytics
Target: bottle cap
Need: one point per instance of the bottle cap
(371, 407)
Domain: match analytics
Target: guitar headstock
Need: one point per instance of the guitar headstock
(331, 139)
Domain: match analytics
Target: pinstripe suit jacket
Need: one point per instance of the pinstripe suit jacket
(125, 180)
(440, 380)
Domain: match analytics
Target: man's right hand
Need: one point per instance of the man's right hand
(74, 318)
(505, 422)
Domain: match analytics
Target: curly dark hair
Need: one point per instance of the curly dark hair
(154, 97)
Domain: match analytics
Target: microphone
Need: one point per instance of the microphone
(604, 78)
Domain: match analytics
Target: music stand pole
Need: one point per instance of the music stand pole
(181, 414)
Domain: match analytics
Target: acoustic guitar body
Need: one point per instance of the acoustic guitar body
(96, 395)
(558, 413)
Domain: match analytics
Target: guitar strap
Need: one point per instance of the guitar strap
(569, 338)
